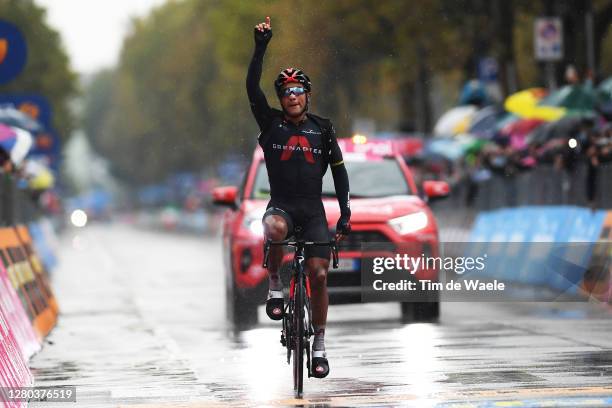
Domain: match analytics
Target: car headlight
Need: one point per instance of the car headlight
(409, 223)
(255, 226)
(252, 222)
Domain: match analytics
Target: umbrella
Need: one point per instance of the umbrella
(454, 121)
(449, 148)
(505, 120)
(539, 135)
(14, 117)
(8, 138)
(605, 87)
(22, 146)
(473, 148)
(577, 98)
(454, 148)
(39, 176)
(604, 96)
(484, 121)
(517, 131)
(562, 129)
(525, 105)
(522, 126)
(549, 149)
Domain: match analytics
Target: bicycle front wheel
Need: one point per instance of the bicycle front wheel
(298, 338)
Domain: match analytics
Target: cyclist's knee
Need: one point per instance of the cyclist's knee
(275, 227)
(318, 272)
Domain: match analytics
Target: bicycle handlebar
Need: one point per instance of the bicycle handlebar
(295, 243)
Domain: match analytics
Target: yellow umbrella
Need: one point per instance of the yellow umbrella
(525, 105)
(42, 181)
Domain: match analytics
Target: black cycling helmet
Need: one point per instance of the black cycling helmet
(288, 75)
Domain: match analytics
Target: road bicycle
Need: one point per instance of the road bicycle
(297, 317)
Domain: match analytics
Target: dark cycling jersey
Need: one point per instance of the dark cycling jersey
(296, 156)
(295, 159)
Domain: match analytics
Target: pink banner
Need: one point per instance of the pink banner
(14, 371)
(18, 320)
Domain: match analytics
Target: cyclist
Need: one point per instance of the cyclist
(298, 147)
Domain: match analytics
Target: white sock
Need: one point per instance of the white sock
(319, 338)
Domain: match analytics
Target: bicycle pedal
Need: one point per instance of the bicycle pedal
(283, 341)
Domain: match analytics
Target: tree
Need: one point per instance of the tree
(97, 106)
(178, 99)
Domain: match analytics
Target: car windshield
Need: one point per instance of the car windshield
(364, 176)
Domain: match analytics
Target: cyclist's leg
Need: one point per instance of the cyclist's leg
(316, 268)
(317, 265)
(277, 226)
(317, 271)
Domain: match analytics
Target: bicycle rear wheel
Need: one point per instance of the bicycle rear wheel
(298, 337)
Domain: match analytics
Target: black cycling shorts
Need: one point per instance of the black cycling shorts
(309, 214)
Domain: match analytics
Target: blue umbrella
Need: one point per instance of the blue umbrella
(484, 122)
(448, 148)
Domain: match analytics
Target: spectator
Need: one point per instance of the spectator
(6, 166)
(571, 75)
(598, 151)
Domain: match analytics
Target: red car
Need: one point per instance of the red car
(386, 207)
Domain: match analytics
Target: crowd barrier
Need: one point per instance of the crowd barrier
(563, 248)
(14, 371)
(28, 308)
(541, 186)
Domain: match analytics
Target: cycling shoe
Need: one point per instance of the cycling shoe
(320, 365)
(275, 304)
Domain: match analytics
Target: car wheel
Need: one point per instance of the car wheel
(241, 311)
(414, 312)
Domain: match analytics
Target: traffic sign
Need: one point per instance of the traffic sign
(13, 51)
(488, 69)
(548, 39)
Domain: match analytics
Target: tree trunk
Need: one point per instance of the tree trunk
(503, 18)
(422, 102)
(603, 19)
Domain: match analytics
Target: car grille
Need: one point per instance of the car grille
(356, 238)
(334, 278)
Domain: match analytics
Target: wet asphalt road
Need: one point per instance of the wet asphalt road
(143, 324)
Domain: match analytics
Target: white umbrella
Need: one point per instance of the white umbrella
(22, 146)
(455, 121)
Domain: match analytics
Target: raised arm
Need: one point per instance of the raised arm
(341, 184)
(259, 105)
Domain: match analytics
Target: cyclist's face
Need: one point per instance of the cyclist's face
(293, 105)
